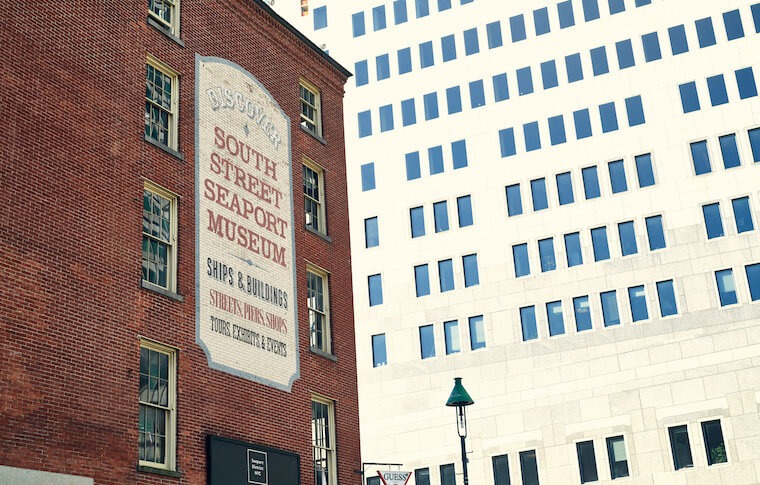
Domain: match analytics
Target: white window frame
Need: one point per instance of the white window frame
(322, 451)
(172, 110)
(324, 312)
(171, 243)
(313, 124)
(319, 215)
(170, 444)
(171, 27)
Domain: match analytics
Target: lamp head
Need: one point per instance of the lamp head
(459, 396)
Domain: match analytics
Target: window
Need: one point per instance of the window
(700, 157)
(427, 344)
(745, 80)
(507, 142)
(651, 47)
(528, 323)
(417, 220)
(655, 232)
(500, 87)
(538, 193)
(625, 54)
(590, 10)
(753, 279)
(451, 337)
(426, 54)
(422, 8)
(641, 3)
(323, 440)
(565, 13)
(638, 299)
(159, 238)
(361, 72)
(555, 319)
(408, 112)
(667, 297)
(378, 17)
(586, 461)
(617, 176)
(500, 470)
(627, 238)
(477, 94)
(582, 312)
(565, 188)
(318, 299)
(756, 16)
(532, 136)
(365, 124)
(546, 254)
(549, 74)
(371, 234)
(444, 5)
(599, 61)
(448, 48)
(609, 117)
(617, 457)
(459, 154)
(524, 81)
(399, 11)
(157, 403)
(379, 354)
(678, 42)
(713, 437)
(464, 211)
(582, 121)
(590, 182)
(514, 200)
(386, 118)
(357, 24)
(616, 6)
(470, 264)
(726, 287)
(599, 243)
(320, 18)
(422, 476)
(610, 313)
(375, 285)
(471, 45)
(689, 97)
(448, 477)
(557, 133)
(493, 33)
(729, 151)
(421, 280)
(166, 14)
(716, 87)
(368, 176)
(382, 67)
(541, 21)
(574, 68)
(441, 216)
(413, 166)
(161, 104)
(529, 467)
(679, 446)
(430, 102)
(311, 109)
(313, 195)
(520, 256)
(754, 139)
(635, 111)
(404, 60)
(742, 215)
(573, 249)
(644, 170)
(517, 27)
(713, 220)
(453, 100)
(445, 275)
(705, 32)
(477, 334)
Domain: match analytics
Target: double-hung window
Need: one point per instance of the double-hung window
(159, 242)
(323, 440)
(158, 396)
(311, 108)
(317, 302)
(165, 13)
(313, 195)
(161, 103)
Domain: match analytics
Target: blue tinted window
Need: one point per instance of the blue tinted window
(616, 6)
(705, 32)
(426, 54)
(627, 238)
(641, 3)
(625, 54)
(477, 333)
(609, 117)
(386, 118)
(546, 254)
(667, 297)
(638, 298)
(600, 244)
(417, 220)
(413, 166)
(444, 5)
(700, 157)
(528, 323)
(368, 176)
(644, 170)
(514, 200)
(754, 142)
(555, 319)
(360, 72)
(404, 60)
(448, 48)
(493, 32)
(549, 74)
(500, 88)
(726, 287)
(459, 154)
(477, 94)
(590, 10)
(557, 130)
(733, 22)
(399, 11)
(379, 355)
(745, 79)
(716, 86)
(756, 16)
(599, 61)
(742, 215)
(427, 341)
(378, 17)
(441, 216)
(541, 21)
(729, 151)
(471, 45)
(689, 97)
(383, 67)
(573, 249)
(753, 279)
(582, 121)
(524, 81)
(375, 284)
(520, 256)
(610, 313)
(357, 22)
(453, 100)
(590, 182)
(470, 265)
(430, 101)
(435, 159)
(464, 211)
(532, 137)
(574, 68)
(678, 42)
(582, 312)
(421, 280)
(422, 8)
(618, 180)
(371, 234)
(365, 124)
(446, 275)
(408, 112)
(651, 44)
(565, 188)
(565, 12)
(320, 17)
(655, 233)
(713, 220)
(517, 27)
(635, 111)
(507, 142)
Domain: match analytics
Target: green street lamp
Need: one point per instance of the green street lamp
(459, 399)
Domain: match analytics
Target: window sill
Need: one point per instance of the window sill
(163, 291)
(165, 148)
(324, 354)
(164, 30)
(313, 135)
(320, 234)
(158, 471)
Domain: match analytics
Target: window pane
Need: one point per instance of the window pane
(713, 220)
(617, 457)
(716, 86)
(448, 48)
(365, 124)
(408, 112)
(638, 299)
(404, 60)
(532, 136)
(667, 297)
(441, 216)
(541, 21)
(726, 287)
(413, 166)
(700, 157)
(426, 54)
(435, 159)
(459, 154)
(422, 476)
(678, 42)
(565, 13)
(422, 8)
(357, 22)
(368, 176)
(555, 318)
(470, 264)
(557, 130)
(753, 279)
(379, 357)
(378, 17)
(448, 476)
(464, 211)
(430, 101)
(582, 312)
(651, 47)
(361, 73)
(705, 32)
(754, 139)
(451, 335)
(742, 215)
(421, 280)
(689, 97)
(427, 343)
(507, 142)
(375, 284)
(529, 467)
(573, 249)
(538, 193)
(524, 81)
(679, 446)
(608, 115)
(599, 61)
(655, 233)
(477, 94)
(517, 27)
(713, 437)
(627, 238)
(514, 200)
(624, 50)
(644, 170)
(745, 80)
(500, 87)
(444, 5)
(756, 16)
(582, 121)
(399, 11)
(500, 470)
(549, 74)
(520, 256)
(417, 219)
(477, 333)
(493, 32)
(600, 244)
(590, 10)
(471, 45)
(729, 151)
(546, 254)
(574, 68)
(586, 461)
(528, 323)
(610, 313)
(590, 182)
(453, 100)
(635, 111)
(616, 6)
(617, 176)
(371, 235)
(445, 275)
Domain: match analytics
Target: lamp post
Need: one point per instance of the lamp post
(459, 399)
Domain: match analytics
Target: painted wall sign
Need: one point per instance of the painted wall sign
(232, 462)
(246, 315)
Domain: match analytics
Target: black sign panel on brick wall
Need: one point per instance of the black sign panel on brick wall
(232, 462)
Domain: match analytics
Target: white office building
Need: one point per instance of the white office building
(559, 202)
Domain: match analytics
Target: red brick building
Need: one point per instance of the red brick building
(175, 300)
